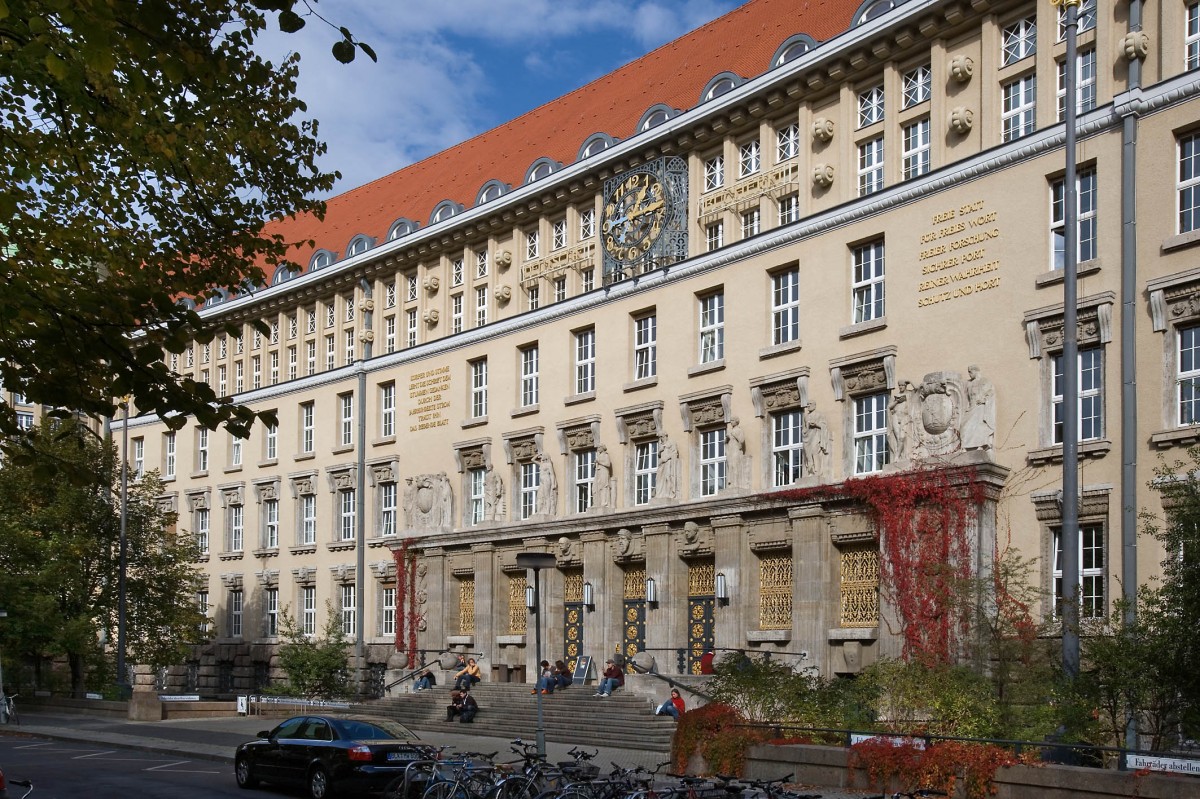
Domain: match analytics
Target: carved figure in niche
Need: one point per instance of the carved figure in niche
(624, 542)
(444, 515)
(410, 502)
(428, 502)
(566, 549)
(735, 451)
(904, 411)
(493, 495)
(817, 442)
(666, 480)
(547, 486)
(690, 539)
(602, 479)
(979, 426)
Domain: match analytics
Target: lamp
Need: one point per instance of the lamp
(722, 589)
(589, 600)
(531, 599)
(651, 592)
(535, 562)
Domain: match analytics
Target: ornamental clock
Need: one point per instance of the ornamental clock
(642, 225)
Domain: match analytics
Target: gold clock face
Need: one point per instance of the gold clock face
(633, 217)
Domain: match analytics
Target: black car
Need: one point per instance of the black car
(330, 754)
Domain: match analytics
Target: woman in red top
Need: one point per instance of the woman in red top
(672, 707)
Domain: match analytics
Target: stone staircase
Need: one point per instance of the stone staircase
(570, 715)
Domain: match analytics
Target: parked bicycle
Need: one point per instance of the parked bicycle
(10, 711)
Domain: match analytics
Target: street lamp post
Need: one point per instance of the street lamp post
(123, 566)
(535, 562)
(3, 696)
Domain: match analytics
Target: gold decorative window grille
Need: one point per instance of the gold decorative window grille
(518, 613)
(702, 580)
(775, 593)
(635, 584)
(572, 587)
(466, 606)
(860, 586)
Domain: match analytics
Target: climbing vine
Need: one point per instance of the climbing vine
(408, 616)
(958, 768)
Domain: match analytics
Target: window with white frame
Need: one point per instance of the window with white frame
(235, 450)
(1090, 405)
(645, 347)
(346, 419)
(1086, 217)
(222, 346)
(785, 306)
(201, 449)
(1018, 40)
(530, 482)
(585, 361)
(1191, 37)
(456, 313)
(310, 325)
(271, 441)
(1085, 15)
(293, 366)
(237, 527)
(587, 279)
(389, 334)
(456, 272)
(535, 296)
(138, 467)
(750, 223)
(387, 410)
(1018, 107)
(558, 234)
(587, 223)
(787, 445)
(310, 357)
(256, 371)
(1091, 572)
(712, 327)
(915, 155)
(202, 530)
(1085, 84)
(870, 106)
(1187, 377)
(749, 158)
(410, 325)
(714, 172)
(787, 142)
(239, 373)
(222, 381)
(202, 607)
(387, 606)
(789, 209)
(235, 613)
(307, 426)
(330, 352)
(308, 519)
(1188, 183)
(387, 509)
(271, 614)
(389, 295)
(917, 86)
(347, 514)
(349, 346)
(270, 511)
(274, 356)
(308, 612)
(529, 376)
(714, 236)
(870, 166)
(293, 326)
(479, 388)
(348, 306)
(410, 282)
(868, 283)
(645, 471)
(476, 479)
(481, 263)
(532, 244)
(169, 443)
(870, 433)
(712, 461)
(481, 306)
(584, 471)
(560, 289)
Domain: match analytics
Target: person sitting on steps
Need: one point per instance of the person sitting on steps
(546, 681)
(467, 676)
(424, 680)
(463, 705)
(562, 674)
(614, 678)
(673, 707)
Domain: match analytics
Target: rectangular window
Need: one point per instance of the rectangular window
(348, 615)
(870, 166)
(479, 390)
(271, 620)
(235, 450)
(714, 173)
(347, 515)
(389, 295)
(1091, 572)
(870, 106)
(558, 234)
(1085, 84)
(1017, 112)
(915, 156)
(475, 493)
(237, 527)
(389, 334)
(330, 314)
(201, 449)
(346, 423)
(535, 297)
(387, 410)
(293, 365)
(532, 249)
(1085, 15)
(310, 326)
(1091, 395)
(138, 467)
(481, 306)
(239, 374)
(785, 306)
(202, 606)
(917, 86)
(481, 263)
(1086, 207)
(271, 523)
(870, 433)
(712, 461)
(235, 614)
(789, 209)
(169, 454)
(387, 624)
(587, 223)
(645, 347)
(1018, 40)
(310, 353)
(1188, 375)
(348, 305)
(1188, 185)
(330, 353)
(585, 361)
(387, 509)
(456, 313)
(274, 356)
(714, 236)
(308, 519)
(293, 327)
(410, 333)
(787, 442)
(560, 289)
(271, 442)
(585, 470)
(1191, 39)
(712, 327)
(202, 525)
(645, 471)
(307, 426)
(868, 287)
(529, 376)
(750, 223)
(308, 603)
(787, 142)
(749, 158)
(410, 281)
(587, 279)
(222, 381)
(256, 371)
(530, 480)
(348, 346)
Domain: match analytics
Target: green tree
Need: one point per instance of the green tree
(60, 555)
(145, 146)
(315, 665)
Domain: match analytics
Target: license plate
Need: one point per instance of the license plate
(401, 756)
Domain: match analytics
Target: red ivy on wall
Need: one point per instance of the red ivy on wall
(924, 520)
(408, 617)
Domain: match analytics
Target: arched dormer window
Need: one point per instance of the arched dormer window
(218, 297)
(541, 168)
(320, 260)
(283, 273)
(187, 303)
(596, 143)
(401, 227)
(359, 244)
(655, 115)
(722, 83)
(246, 288)
(792, 48)
(874, 8)
(444, 210)
(492, 190)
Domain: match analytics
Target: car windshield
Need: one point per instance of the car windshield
(372, 729)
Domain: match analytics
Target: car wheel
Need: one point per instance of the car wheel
(318, 783)
(244, 773)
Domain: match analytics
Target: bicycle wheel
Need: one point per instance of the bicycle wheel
(516, 788)
(446, 790)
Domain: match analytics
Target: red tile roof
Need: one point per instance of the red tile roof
(675, 74)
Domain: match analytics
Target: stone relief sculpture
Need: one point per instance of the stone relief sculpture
(627, 547)
(666, 479)
(735, 452)
(979, 428)
(493, 496)
(817, 442)
(428, 502)
(603, 484)
(547, 497)
(944, 416)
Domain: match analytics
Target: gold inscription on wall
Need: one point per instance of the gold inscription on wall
(954, 254)
(428, 391)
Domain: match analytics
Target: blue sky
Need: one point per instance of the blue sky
(449, 69)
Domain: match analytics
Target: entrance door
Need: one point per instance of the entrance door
(572, 617)
(701, 601)
(634, 636)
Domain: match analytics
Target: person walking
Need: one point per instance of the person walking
(673, 707)
(614, 678)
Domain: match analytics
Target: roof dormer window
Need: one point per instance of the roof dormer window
(320, 260)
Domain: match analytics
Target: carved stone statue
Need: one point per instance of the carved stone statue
(602, 479)
(428, 502)
(735, 451)
(666, 481)
(444, 515)
(979, 426)
(547, 497)
(817, 442)
(493, 496)
(904, 412)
